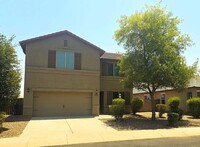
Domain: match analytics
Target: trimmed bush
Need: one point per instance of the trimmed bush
(136, 105)
(161, 108)
(180, 113)
(118, 101)
(174, 104)
(193, 105)
(2, 119)
(117, 108)
(172, 118)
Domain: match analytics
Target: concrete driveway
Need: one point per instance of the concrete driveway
(60, 130)
(57, 131)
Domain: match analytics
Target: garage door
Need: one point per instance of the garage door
(62, 104)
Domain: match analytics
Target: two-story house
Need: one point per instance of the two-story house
(66, 75)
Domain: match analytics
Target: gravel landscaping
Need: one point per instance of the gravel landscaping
(142, 121)
(14, 126)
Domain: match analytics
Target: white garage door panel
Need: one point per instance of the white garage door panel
(61, 104)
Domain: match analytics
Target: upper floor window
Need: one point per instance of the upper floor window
(65, 60)
(110, 69)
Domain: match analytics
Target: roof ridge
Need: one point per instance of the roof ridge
(112, 53)
(24, 42)
(112, 56)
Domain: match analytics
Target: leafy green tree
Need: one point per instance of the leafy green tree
(10, 75)
(154, 46)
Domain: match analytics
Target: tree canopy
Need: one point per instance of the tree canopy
(154, 51)
(10, 75)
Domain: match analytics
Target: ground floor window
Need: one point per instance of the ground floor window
(163, 98)
(118, 95)
(147, 97)
(189, 95)
(198, 93)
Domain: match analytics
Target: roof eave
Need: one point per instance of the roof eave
(23, 46)
(109, 59)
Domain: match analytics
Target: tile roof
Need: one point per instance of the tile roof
(24, 42)
(112, 56)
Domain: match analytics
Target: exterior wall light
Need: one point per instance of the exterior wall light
(96, 93)
(28, 90)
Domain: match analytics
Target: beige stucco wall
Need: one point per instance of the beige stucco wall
(40, 78)
(37, 52)
(168, 93)
(111, 83)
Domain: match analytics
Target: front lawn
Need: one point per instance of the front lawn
(142, 121)
(14, 126)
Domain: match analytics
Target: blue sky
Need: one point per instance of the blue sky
(93, 20)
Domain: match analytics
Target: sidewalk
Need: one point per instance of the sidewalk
(132, 135)
(92, 136)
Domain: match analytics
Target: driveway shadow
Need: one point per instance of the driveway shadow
(61, 117)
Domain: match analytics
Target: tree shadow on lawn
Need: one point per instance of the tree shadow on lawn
(139, 122)
(3, 129)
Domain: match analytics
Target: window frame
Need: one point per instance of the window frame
(71, 60)
(110, 65)
(115, 69)
(57, 52)
(189, 95)
(120, 94)
(65, 59)
(147, 97)
(111, 69)
(163, 98)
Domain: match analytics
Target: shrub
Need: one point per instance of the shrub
(174, 104)
(172, 118)
(193, 105)
(180, 113)
(2, 119)
(136, 105)
(161, 108)
(117, 108)
(118, 101)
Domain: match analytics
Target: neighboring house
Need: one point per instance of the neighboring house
(162, 95)
(66, 75)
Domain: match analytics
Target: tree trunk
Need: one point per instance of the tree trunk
(153, 116)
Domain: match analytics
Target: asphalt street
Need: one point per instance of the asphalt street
(161, 142)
